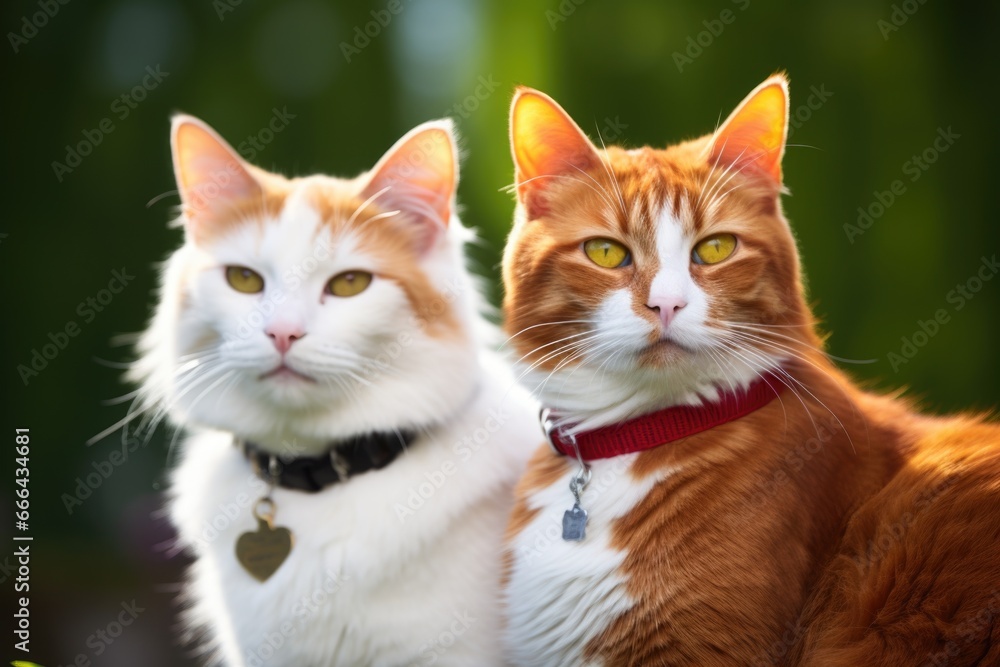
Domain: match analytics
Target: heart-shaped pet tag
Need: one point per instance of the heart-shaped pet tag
(261, 552)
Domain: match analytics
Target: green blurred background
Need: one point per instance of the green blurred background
(878, 96)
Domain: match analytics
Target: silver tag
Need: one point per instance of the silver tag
(575, 524)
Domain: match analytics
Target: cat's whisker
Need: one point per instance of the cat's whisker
(155, 411)
(357, 378)
(718, 358)
(577, 353)
(141, 404)
(365, 204)
(205, 351)
(118, 400)
(727, 175)
(768, 326)
(227, 374)
(118, 365)
(755, 329)
(766, 378)
(603, 368)
(344, 389)
(781, 348)
(611, 174)
(185, 385)
(383, 216)
(759, 372)
(721, 198)
(554, 342)
(607, 198)
(781, 372)
(763, 363)
(512, 187)
(568, 349)
(337, 359)
(591, 352)
(224, 377)
(786, 349)
(543, 324)
(712, 170)
(556, 352)
(109, 430)
(588, 347)
(724, 178)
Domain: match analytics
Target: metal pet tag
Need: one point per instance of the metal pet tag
(575, 524)
(261, 552)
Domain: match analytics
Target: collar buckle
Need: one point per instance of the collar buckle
(548, 425)
(339, 465)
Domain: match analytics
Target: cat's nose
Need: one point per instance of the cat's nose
(666, 307)
(283, 335)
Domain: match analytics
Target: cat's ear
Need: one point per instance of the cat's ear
(211, 177)
(753, 137)
(419, 174)
(546, 144)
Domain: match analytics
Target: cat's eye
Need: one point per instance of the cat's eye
(714, 249)
(349, 283)
(607, 253)
(245, 280)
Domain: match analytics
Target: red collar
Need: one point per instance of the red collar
(667, 425)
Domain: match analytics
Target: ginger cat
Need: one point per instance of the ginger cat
(742, 502)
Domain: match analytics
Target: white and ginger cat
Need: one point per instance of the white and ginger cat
(747, 503)
(324, 334)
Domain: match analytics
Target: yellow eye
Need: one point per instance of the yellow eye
(349, 283)
(245, 280)
(714, 249)
(607, 253)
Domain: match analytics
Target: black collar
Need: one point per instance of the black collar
(362, 453)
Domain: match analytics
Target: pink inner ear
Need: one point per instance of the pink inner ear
(418, 174)
(744, 146)
(211, 177)
(217, 183)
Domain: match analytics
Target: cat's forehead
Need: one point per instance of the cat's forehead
(312, 221)
(674, 186)
(633, 192)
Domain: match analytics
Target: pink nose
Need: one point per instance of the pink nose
(666, 307)
(284, 335)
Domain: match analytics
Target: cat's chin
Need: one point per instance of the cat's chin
(663, 353)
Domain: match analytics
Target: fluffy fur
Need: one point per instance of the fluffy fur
(831, 527)
(398, 566)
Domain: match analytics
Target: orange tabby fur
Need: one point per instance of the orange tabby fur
(833, 526)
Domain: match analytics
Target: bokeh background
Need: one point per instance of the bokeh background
(873, 84)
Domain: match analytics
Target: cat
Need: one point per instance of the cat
(323, 336)
(746, 503)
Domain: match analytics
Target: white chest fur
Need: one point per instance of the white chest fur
(561, 594)
(396, 567)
